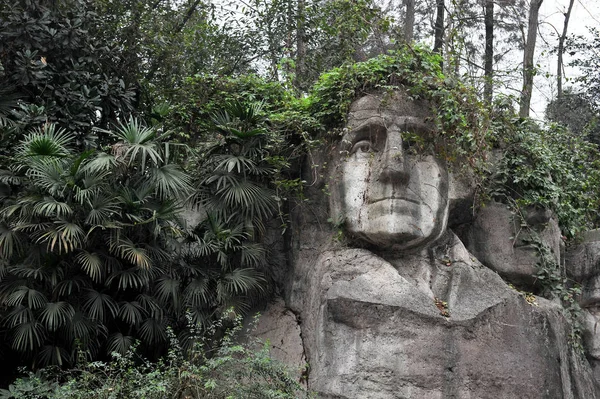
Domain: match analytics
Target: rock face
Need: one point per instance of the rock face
(583, 265)
(278, 326)
(498, 239)
(371, 333)
(390, 302)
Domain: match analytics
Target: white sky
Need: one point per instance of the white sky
(585, 13)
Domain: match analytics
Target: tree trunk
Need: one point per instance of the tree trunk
(300, 45)
(528, 69)
(409, 22)
(489, 51)
(561, 50)
(439, 26)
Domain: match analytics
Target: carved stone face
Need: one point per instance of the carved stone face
(501, 243)
(590, 302)
(389, 195)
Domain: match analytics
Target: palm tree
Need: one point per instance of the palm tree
(84, 239)
(93, 251)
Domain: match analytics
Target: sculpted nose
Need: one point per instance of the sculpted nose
(393, 163)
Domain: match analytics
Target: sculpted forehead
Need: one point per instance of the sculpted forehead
(387, 105)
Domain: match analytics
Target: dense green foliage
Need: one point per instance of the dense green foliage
(462, 132)
(549, 168)
(62, 72)
(215, 368)
(94, 251)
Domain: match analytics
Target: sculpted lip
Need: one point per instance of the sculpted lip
(403, 198)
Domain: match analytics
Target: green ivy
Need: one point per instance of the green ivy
(461, 119)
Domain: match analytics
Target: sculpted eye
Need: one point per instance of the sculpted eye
(363, 146)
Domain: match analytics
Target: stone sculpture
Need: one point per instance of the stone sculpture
(583, 266)
(399, 308)
(501, 240)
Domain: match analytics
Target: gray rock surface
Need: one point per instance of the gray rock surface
(371, 333)
(499, 240)
(583, 260)
(278, 327)
(391, 303)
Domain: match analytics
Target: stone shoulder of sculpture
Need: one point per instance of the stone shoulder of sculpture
(403, 310)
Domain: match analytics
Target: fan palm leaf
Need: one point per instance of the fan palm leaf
(102, 162)
(65, 237)
(240, 282)
(133, 254)
(102, 208)
(70, 286)
(153, 331)
(50, 207)
(237, 163)
(170, 181)
(46, 141)
(35, 270)
(249, 199)
(99, 306)
(92, 265)
(129, 278)
(199, 293)
(27, 296)
(11, 242)
(27, 336)
(151, 305)
(167, 290)
(252, 255)
(56, 314)
(131, 312)
(48, 175)
(119, 343)
(52, 355)
(139, 142)
(19, 315)
(84, 329)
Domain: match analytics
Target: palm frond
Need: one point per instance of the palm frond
(167, 290)
(33, 299)
(56, 314)
(250, 199)
(27, 336)
(237, 163)
(46, 141)
(153, 331)
(66, 237)
(92, 265)
(131, 312)
(52, 355)
(119, 343)
(70, 286)
(48, 174)
(85, 329)
(139, 141)
(151, 305)
(11, 242)
(50, 207)
(103, 208)
(11, 177)
(129, 278)
(19, 315)
(170, 181)
(252, 255)
(133, 254)
(240, 282)
(102, 162)
(198, 293)
(99, 306)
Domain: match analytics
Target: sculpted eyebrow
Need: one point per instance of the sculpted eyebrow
(373, 127)
(412, 124)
